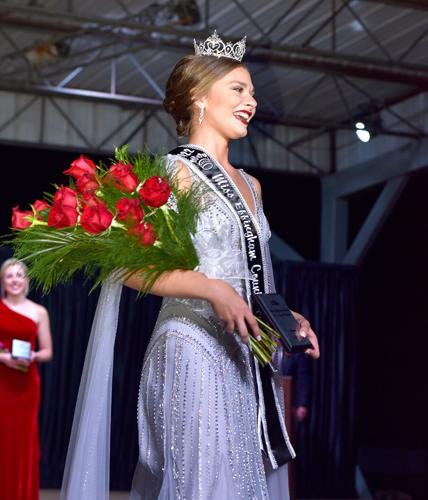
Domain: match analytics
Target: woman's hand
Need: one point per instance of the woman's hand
(232, 311)
(14, 363)
(305, 330)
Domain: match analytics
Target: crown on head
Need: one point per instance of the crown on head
(214, 46)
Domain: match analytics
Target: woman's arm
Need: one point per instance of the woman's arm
(232, 311)
(44, 338)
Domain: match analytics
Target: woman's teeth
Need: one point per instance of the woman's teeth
(243, 117)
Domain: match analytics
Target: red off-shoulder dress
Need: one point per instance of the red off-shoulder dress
(19, 407)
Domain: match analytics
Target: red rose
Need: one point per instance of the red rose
(21, 219)
(41, 208)
(80, 167)
(66, 196)
(90, 200)
(122, 177)
(155, 191)
(144, 233)
(61, 216)
(96, 219)
(129, 211)
(86, 184)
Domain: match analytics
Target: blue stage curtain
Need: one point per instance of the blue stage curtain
(71, 310)
(326, 294)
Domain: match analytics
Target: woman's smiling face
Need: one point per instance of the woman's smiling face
(14, 281)
(230, 104)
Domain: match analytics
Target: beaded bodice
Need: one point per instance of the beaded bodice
(218, 242)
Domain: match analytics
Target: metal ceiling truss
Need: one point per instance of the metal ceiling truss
(405, 4)
(72, 25)
(140, 116)
(391, 170)
(127, 36)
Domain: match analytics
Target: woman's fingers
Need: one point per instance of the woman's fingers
(305, 331)
(243, 324)
(315, 352)
(242, 330)
(253, 325)
(232, 311)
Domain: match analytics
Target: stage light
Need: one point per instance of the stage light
(362, 131)
(367, 123)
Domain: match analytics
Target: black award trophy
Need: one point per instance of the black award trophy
(272, 309)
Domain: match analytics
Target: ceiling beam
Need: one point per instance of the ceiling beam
(404, 4)
(182, 40)
(132, 101)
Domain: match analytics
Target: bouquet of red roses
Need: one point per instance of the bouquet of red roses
(115, 219)
(109, 219)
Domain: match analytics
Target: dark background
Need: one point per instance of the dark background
(392, 325)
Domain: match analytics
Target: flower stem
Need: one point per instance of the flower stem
(167, 217)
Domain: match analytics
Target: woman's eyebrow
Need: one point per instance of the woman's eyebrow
(243, 85)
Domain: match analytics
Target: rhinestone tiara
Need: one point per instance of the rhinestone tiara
(214, 46)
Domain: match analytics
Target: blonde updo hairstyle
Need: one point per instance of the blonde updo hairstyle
(12, 262)
(190, 79)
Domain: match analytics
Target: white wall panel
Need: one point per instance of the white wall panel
(97, 121)
(273, 154)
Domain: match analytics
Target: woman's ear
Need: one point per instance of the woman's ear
(200, 103)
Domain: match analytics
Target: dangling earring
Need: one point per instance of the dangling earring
(201, 114)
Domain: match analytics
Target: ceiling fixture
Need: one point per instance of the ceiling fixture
(47, 52)
(173, 12)
(362, 132)
(367, 124)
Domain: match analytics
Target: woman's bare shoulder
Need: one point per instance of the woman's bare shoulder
(36, 309)
(257, 185)
(182, 173)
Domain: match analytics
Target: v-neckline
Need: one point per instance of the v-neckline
(243, 176)
(252, 194)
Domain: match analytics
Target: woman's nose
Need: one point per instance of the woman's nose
(251, 101)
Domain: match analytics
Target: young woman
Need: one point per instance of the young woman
(21, 319)
(206, 409)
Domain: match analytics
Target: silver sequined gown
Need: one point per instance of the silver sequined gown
(197, 413)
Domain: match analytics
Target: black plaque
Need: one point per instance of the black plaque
(272, 309)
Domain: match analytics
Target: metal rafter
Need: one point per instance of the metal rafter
(388, 110)
(368, 30)
(316, 84)
(282, 18)
(405, 4)
(284, 145)
(345, 124)
(413, 45)
(300, 21)
(71, 123)
(139, 127)
(319, 125)
(117, 129)
(18, 113)
(326, 22)
(251, 19)
(306, 58)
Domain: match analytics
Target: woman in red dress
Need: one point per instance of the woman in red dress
(22, 319)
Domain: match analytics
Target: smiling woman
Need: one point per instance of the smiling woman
(23, 324)
(210, 420)
(191, 79)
